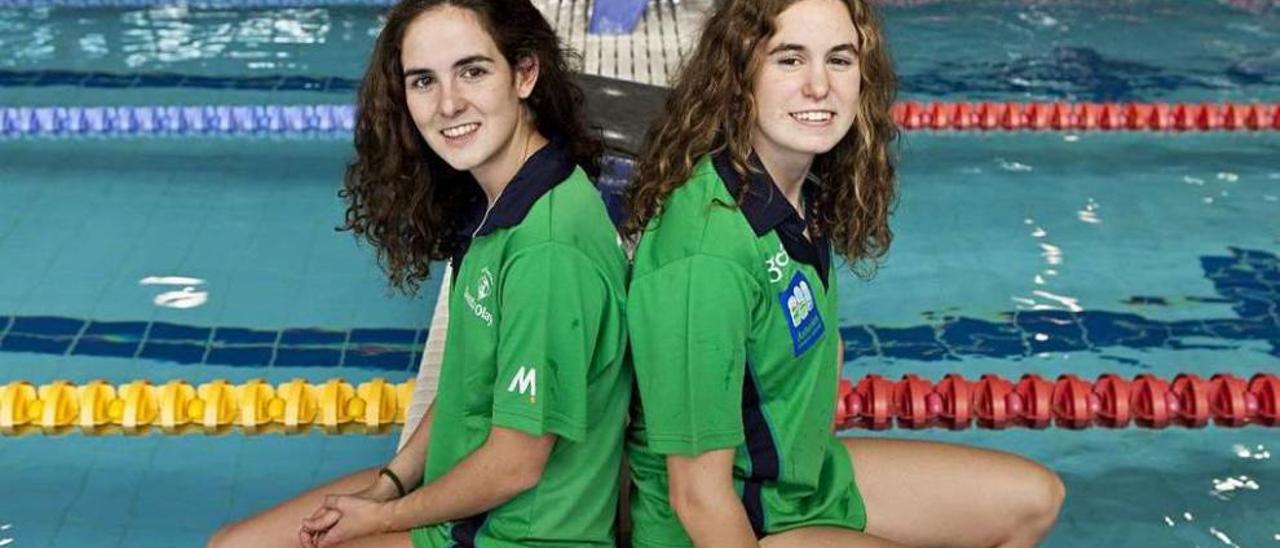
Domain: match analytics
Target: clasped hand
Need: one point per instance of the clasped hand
(344, 517)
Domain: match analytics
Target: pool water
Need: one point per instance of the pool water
(1095, 50)
(1030, 253)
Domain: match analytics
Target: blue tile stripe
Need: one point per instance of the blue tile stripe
(123, 330)
(383, 348)
(239, 335)
(1249, 280)
(392, 336)
(164, 331)
(312, 336)
(46, 325)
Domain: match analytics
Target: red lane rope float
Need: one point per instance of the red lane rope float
(1061, 116)
(992, 402)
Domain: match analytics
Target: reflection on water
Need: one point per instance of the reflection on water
(1090, 213)
(1259, 453)
(1222, 537)
(175, 33)
(1060, 50)
(1041, 298)
(186, 297)
(26, 38)
(181, 38)
(1223, 486)
(1214, 531)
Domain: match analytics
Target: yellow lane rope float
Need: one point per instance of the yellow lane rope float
(175, 407)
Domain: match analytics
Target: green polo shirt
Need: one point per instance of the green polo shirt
(733, 324)
(536, 344)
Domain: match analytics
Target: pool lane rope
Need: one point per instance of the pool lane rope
(876, 403)
(1062, 116)
(337, 120)
(177, 406)
(992, 402)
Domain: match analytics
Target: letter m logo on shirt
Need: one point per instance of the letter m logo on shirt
(525, 382)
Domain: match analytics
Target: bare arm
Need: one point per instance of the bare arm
(702, 494)
(408, 463)
(509, 463)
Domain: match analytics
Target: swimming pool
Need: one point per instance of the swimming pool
(1144, 240)
(984, 49)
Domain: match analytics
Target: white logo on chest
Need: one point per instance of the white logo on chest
(484, 287)
(776, 263)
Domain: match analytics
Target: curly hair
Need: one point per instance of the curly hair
(401, 196)
(711, 108)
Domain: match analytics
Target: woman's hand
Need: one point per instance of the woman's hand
(314, 528)
(342, 518)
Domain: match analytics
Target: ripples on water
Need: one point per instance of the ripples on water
(1060, 50)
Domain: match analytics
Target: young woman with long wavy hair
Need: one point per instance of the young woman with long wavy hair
(774, 156)
(472, 146)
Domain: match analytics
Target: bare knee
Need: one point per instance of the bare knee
(219, 538)
(1052, 492)
(1039, 502)
(224, 537)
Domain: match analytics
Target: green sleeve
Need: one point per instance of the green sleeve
(688, 323)
(553, 302)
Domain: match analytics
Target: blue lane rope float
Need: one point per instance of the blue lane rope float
(177, 121)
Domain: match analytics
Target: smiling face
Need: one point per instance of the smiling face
(464, 97)
(806, 89)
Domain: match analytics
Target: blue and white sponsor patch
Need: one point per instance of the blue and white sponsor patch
(800, 310)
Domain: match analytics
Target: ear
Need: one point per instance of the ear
(526, 75)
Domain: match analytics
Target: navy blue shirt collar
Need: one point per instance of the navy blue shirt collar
(765, 209)
(545, 169)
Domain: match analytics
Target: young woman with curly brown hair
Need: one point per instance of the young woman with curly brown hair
(472, 146)
(772, 157)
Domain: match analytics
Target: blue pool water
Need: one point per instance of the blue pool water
(1044, 253)
(987, 49)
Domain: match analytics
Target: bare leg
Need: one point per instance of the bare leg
(936, 494)
(278, 526)
(824, 537)
(386, 540)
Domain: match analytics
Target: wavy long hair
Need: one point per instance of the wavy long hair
(401, 196)
(711, 108)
